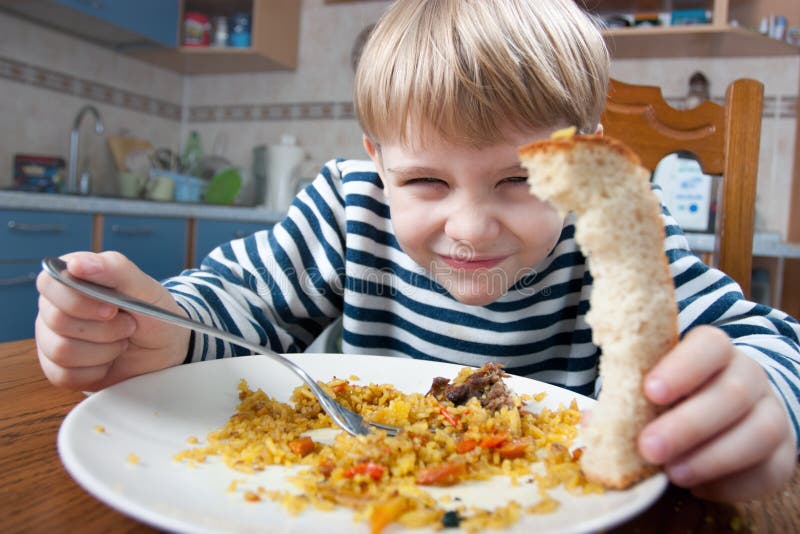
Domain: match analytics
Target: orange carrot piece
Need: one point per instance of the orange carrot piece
(441, 475)
(452, 419)
(302, 445)
(513, 449)
(466, 445)
(375, 471)
(493, 441)
(386, 512)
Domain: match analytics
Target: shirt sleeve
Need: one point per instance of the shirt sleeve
(278, 287)
(707, 296)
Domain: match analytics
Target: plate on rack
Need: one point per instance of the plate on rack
(150, 418)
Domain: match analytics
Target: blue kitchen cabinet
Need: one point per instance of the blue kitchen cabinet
(25, 238)
(156, 20)
(31, 235)
(209, 234)
(156, 244)
(19, 299)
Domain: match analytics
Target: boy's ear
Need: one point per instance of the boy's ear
(370, 148)
(374, 155)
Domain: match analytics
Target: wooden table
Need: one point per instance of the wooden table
(37, 494)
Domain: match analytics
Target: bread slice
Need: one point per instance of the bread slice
(633, 311)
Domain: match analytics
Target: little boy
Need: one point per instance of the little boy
(434, 249)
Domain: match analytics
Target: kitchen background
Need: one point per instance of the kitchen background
(47, 75)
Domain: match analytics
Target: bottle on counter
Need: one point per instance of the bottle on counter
(192, 154)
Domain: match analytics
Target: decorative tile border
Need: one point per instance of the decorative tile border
(775, 107)
(788, 107)
(98, 92)
(272, 112)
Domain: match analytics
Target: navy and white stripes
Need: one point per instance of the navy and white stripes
(335, 254)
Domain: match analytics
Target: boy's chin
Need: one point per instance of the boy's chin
(475, 296)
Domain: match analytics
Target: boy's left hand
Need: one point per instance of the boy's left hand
(726, 435)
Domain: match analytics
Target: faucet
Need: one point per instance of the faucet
(72, 173)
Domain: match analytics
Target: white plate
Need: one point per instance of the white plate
(152, 416)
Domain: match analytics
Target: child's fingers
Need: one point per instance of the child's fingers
(702, 353)
(70, 302)
(748, 443)
(756, 482)
(75, 353)
(73, 378)
(113, 269)
(117, 328)
(715, 407)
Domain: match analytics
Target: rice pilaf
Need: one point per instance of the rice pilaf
(385, 479)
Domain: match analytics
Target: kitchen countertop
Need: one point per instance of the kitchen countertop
(765, 244)
(19, 200)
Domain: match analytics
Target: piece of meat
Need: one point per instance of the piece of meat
(486, 384)
(438, 386)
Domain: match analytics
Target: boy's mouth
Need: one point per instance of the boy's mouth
(471, 264)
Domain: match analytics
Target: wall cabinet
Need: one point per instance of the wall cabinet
(274, 28)
(718, 38)
(151, 30)
(121, 24)
(156, 20)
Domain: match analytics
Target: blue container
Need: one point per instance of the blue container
(187, 188)
(239, 27)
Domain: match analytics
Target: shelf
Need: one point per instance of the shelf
(702, 40)
(606, 7)
(275, 32)
(210, 60)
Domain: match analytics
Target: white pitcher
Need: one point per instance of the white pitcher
(283, 172)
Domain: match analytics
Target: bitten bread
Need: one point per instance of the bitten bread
(633, 311)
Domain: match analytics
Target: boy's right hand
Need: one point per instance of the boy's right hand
(87, 344)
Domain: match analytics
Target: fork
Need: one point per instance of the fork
(348, 420)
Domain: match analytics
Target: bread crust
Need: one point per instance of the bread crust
(633, 310)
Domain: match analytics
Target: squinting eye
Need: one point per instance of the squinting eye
(515, 180)
(425, 181)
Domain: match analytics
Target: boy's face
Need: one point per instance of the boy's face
(465, 214)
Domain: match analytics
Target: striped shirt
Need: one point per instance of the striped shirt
(335, 255)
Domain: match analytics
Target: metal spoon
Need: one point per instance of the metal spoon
(348, 420)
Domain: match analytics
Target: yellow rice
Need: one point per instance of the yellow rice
(434, 434)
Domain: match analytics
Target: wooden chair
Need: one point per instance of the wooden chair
(724, 138)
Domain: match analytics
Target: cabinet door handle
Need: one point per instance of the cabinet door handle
(131, 230)
(94, 4)
(35, 228)
(18, 280)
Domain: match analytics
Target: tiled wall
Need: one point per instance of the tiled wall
(45, 76)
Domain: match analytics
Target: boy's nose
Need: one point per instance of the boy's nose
(472, 224)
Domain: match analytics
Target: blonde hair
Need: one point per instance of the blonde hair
(468, 69)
